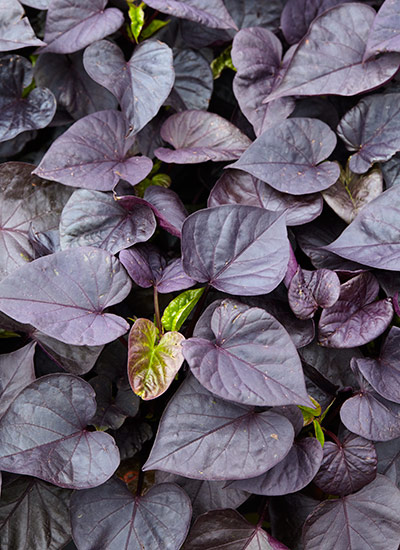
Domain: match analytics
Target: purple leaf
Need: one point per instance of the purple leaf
(153, 360)
(92, 218)
(19, 114)
(33, 512)
(64, 295)
(147, 267)
(255, 13)
(94, 153)
(141, 84)
(205, 495)
(256, 54)
(372, 238)
(194, 81)
(347, 467)
(204, 437)
(213, 15)
(352, 192)
(309, 290)
(389, 459)
(110, 517)
(329, 59)
(236, 187)
(199, 136)
(74, 24)
(17, 371)
(356, 318)
(25, 202)
(298, 14)
(72, 87)
(228, 529)
(371, 129)
(237, 249)
(384, 35)
(292, 474)
(384, 373)
(371, 416)
(41, 439)
(15, 30)
(289, 156)
(249, 359)
(38, 4)
(368, 520)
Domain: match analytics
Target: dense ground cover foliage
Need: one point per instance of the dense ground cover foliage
(199, 274)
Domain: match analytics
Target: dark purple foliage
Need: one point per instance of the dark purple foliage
(17, 371)
(213, 14)
(384, 35)
(15, 30)
(309, 290)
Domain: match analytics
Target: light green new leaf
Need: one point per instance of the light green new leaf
(152, 28)
(223, 61)
(319, 434)
(178, 310)
(308, 413)
(136, 16)
(152, 362)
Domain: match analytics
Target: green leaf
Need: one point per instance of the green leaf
(152, 362)
(136, 16)
(223, 61)
(178, 310)
(162, 180)
(152, 28)
(308, 413)
(26, 91)
(319, 434)
(8, 334)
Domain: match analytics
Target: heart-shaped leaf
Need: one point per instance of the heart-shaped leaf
(17, 113)
(41, 439)
(141, 84)
(198, 136)
(292, 474)
(236, 187)
(309, 290)
(34, 513)
(371, 128)
(213, 15)
(179, 309)
(346, 73)
(15, 30)
(372, 238)
(71, 27)
(228, 529)
(347, 465)
(256, 54)
(384, 373)
(355, 319)
(93, 218)
(17, 371)
(72, 87)
(238, 249)
(336, 524)
(56, 294)
(25, 202)
(384, 35)
(352, 192)
(93, 153)
(152, 361)
(249, 359)
(289, 156)
(223, 440)
(110, 517)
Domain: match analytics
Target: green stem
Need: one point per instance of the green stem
(157, 311)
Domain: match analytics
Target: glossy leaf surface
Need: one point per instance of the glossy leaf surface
(336, 523)
(289, 157)
(323, 65)
(152, 362)
(93, 218)
(237, 249)
(41, 438)
(93, 153)
(249, 358)
(198, 136)
(110, 517)
(178, 310)
(17, 371)
(66, 305)
(141, 84)
(384, 35)
(69, 30)
(223, 440)
(309, 290)
(213, 15)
